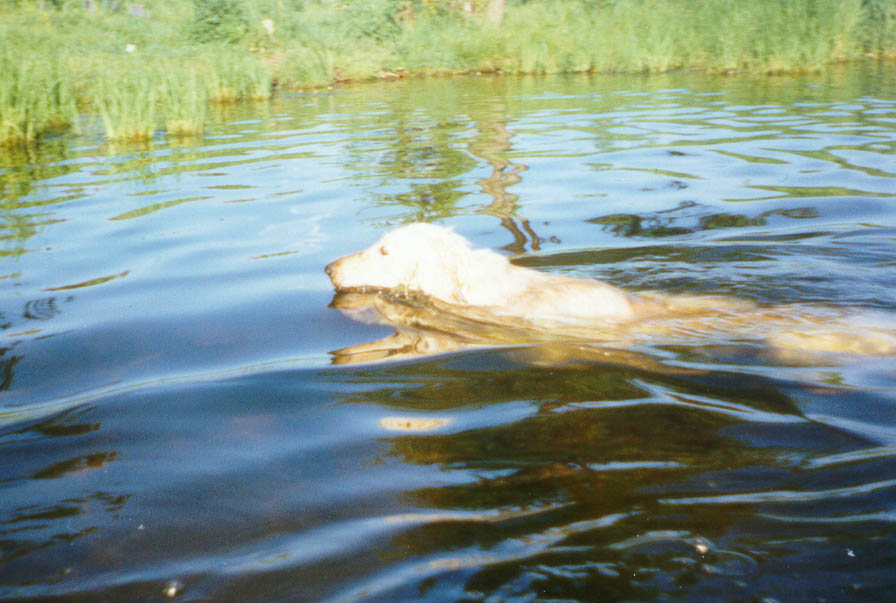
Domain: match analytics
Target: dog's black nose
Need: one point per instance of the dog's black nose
(329, 269)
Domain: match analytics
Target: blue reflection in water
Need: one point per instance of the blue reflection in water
(173, 411)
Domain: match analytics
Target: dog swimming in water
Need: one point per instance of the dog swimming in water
(439, 263)
(478, 290)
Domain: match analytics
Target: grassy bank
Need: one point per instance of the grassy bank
(152, 68)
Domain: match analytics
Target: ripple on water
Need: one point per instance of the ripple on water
(178, 420)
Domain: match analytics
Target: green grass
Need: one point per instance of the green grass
(184, 99)
(36, 97)
(126, 97)
(155, 74)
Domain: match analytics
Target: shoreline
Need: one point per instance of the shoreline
(144, 72)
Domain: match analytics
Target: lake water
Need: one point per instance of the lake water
(175, 421)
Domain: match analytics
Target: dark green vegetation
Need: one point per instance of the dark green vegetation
(157, 66)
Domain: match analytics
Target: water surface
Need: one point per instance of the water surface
(174, 420)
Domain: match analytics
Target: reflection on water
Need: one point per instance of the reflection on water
(801, 334)
(175, 422)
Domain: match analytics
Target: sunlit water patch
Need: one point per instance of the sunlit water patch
(178, 419)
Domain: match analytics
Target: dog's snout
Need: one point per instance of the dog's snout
(332, 268)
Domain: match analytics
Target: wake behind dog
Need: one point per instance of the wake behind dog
(440, 294)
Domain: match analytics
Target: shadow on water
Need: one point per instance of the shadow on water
(448, 476)
(578, 494)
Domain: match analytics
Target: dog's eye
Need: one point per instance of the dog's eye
(384, 251)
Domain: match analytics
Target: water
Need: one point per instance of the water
(175, 420)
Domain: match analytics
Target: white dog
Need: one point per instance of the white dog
(441, 264)
(478, 296)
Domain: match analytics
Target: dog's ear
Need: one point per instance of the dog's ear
(440, 269)
(429, 272)
(461, 279)
(481, 278)
(444, 266)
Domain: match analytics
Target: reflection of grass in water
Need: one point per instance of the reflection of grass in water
(142, 211)
(145, 72)
(92, 282)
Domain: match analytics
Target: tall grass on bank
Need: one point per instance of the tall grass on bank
(184, 99)
(766, 36)
(126, 102)
(234, 75)
(151, 70)
(137, 98)
(35, 98)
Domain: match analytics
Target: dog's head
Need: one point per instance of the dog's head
(419, 257)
